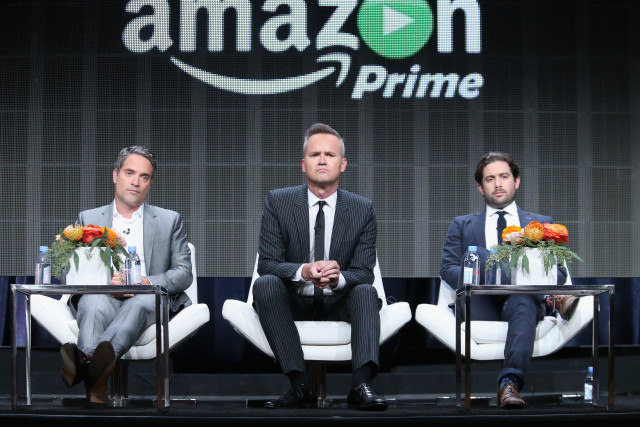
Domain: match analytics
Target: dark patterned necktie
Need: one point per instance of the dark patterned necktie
(502, 224)
(318, 254)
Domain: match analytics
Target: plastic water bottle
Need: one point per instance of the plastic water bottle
(471, 267)
(493, 271)
(588, 386)
(43, 267)
(133, 268)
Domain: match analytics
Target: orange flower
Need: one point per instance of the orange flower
(534, 231)
(91, 232)
(508, 230)
(556, 232)
(113, 239)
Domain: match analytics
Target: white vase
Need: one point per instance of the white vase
(536, 274)
(91, 269)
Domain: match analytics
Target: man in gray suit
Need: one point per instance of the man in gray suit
(296, 283)
(497, 177)
(110, 325)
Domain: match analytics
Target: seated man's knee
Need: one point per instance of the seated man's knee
(364, 291)
(267, 285)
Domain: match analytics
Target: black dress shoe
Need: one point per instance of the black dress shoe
(75, 366)
(102, 364)
(295, 397)
(364, 397)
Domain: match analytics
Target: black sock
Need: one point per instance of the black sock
(364, 374)
(297, 378)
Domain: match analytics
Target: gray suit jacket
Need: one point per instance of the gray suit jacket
(468, 230)
(167, 254)
(284, 235)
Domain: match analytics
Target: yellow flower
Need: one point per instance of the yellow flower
(73, 233)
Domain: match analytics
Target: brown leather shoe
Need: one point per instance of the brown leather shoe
(101, 367)
(565, 304)
(76, 363)
(509, 398)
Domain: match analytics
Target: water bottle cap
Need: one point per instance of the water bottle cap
(590, 369)
(132, 248)
(473, 248)
(44, 249)
(493, 250)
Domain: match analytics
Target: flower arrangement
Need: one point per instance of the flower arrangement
(89, 236)
(550, 239)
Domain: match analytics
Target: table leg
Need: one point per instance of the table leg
(611, 345)
(467, 350)
(165, 327)
(458, 356)
(159, 390)
(14, 350)
(27, 313)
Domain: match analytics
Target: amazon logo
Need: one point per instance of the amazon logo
(393, 29)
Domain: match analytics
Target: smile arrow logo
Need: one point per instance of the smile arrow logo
(272, 86)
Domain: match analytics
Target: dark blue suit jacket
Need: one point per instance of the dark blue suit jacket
(468, 230)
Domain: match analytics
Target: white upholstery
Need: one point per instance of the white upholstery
(55, 316)
(488, 337)
(325, 341)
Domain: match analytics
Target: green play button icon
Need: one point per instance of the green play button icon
(395, 28)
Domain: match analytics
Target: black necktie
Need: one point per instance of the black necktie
(502, 224)
(318, 253)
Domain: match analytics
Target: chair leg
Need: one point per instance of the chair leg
(318, 375)
(119, 385)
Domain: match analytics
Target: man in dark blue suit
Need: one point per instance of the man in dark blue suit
(497, 177)
(299, 283)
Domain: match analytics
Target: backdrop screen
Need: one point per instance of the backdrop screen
(222, 92)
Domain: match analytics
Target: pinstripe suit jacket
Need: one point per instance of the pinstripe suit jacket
(167, 254)
(284, 235)
(468, 230)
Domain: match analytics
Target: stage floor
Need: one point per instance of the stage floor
(418, 394)
(430, 410)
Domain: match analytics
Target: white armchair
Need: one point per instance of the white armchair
(55, 316)
(322, 341)
(488, 337)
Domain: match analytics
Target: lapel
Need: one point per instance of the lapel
(301, 222)
(150, 224)
(477, 225)
(525, 218)
(106, 216)
(340, 224)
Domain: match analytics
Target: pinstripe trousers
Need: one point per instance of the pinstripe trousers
(278, 308)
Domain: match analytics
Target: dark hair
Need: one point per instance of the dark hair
(139, 150)
(495, 156)
(321, 128)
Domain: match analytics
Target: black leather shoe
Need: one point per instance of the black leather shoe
(364, 397)
(295, 397)
(75, 366)
(102, 364)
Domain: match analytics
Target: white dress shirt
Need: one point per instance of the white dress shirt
(491, 222)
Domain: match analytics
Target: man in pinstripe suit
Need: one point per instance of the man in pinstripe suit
(289, 274)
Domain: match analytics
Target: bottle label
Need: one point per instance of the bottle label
(136, 275)
(588, 392)
(46, 275)
(467, 277)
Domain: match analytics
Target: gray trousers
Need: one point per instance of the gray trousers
(278, 308)
(120, 321)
